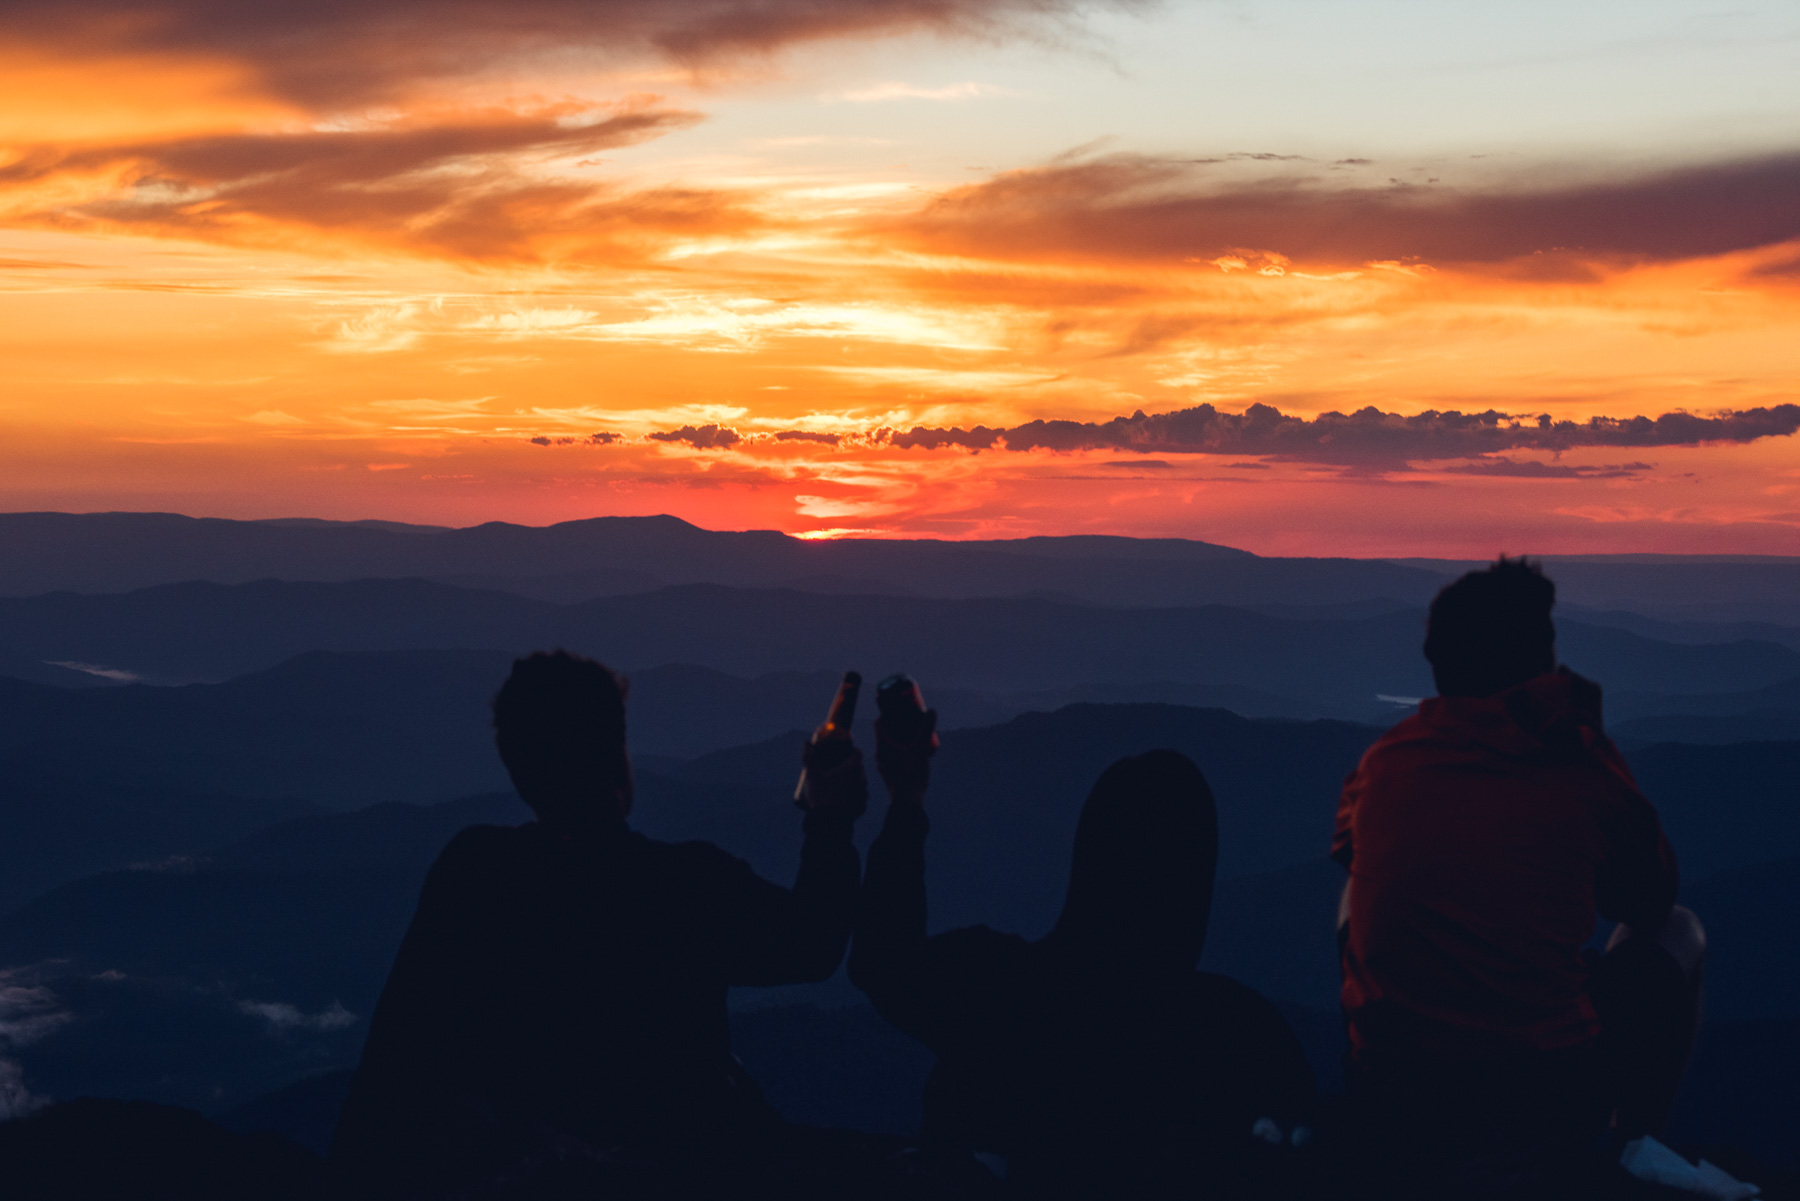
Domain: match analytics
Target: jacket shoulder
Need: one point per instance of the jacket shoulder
(1409, 734)
(473, 848)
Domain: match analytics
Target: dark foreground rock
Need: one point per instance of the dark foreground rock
(138, 1151)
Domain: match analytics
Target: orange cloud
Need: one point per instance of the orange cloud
(467, 186)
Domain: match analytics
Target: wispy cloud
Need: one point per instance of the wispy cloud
(1534, 469)
(472, 186)
(283, 1017)
(906, 91)
(117, 675)
(28, 1012)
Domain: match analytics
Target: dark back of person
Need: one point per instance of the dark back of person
(1097, 1060)
(561, 991)
(1482, 836)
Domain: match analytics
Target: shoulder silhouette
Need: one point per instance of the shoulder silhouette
(560, 996)
(1097, 1060)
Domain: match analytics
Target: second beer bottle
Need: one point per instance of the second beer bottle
(830, 745)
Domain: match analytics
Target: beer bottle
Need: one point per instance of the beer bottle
(830, 744)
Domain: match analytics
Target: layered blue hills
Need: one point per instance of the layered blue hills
(229, 751)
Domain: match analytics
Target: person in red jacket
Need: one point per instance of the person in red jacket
(1484, 835)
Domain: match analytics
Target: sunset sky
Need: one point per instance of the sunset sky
(1369, 277)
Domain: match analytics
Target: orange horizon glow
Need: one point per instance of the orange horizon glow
(232, 284)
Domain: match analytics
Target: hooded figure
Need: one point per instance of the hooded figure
(1097, 1060)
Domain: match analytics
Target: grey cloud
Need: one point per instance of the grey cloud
(808, 436)
(601, 439)
(701, 437)
(979, 438)
(1533, 469)
(1367, 437)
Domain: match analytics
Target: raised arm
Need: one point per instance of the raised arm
(886, 962)
(797, 935)
(910, 979)
(890, 928)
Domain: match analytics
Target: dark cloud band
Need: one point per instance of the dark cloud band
(1137, 208)
(334, 52)
(701, 437)
(1368, 439)
(1365, 438)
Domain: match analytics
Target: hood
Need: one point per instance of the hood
(1141, 880)
(1555, 713)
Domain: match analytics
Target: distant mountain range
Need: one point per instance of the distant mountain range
(580, 560)
(63, 819)
(1706, 588)
(1333, 665)
(96, 779)
(1764, 714)
(343, 730)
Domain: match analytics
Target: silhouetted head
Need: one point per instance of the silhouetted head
(1491, 629)
(1140, 887)
(559, 721)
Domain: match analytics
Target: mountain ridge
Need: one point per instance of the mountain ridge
(211, 632)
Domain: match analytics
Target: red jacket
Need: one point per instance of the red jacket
(1482, 836)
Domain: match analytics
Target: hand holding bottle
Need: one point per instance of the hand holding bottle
(905, 738)
(831, 768)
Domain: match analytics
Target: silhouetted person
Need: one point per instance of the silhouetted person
(1483, 835)
(1097, 1060)
(559, 999)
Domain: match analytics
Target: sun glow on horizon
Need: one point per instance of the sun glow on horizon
(832, 293)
